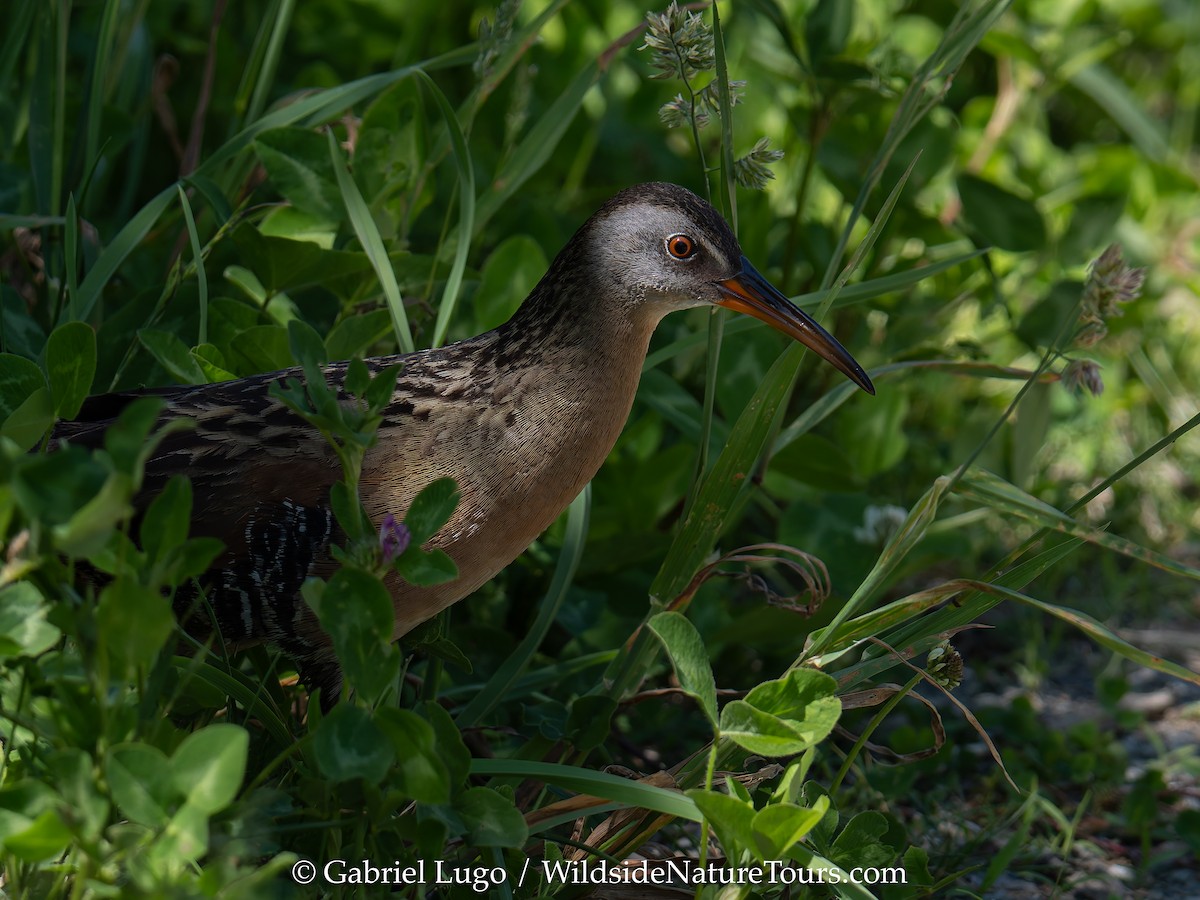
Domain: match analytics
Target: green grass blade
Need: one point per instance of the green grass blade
(198, 256)
(100, 76)
(71, 247)
(372, 243)
(512, 668)
(466, 211)
(992, 491)
(125, 242)
(1114, 97)
(265, 76)
(631, 794)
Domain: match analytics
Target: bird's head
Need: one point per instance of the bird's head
(664, 248)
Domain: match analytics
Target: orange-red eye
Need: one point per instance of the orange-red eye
(680, 246)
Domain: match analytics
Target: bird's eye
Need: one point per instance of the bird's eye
(681, 246)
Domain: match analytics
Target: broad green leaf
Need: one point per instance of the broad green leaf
(784, 716)
(356, 610)
(872, 434)
(209, 765)
(859, 843)
(780, 825)
(305, 344)
(451, 749)
(141, 782)
(165, 523)
(26, 425)
(44, 838)
(173, 355)
(212, 363)
(134, 622)
(90, 528)
(491, 819)
(19, 378)
(589, 722)
(24, 630)
(431, 509)
(732, 820)
(509, 274)
(689, 657)
(263, 348)
(420, 772)
(355, 335)
(297, 162)
(425, 569)
(54, 487)
(1001, 219)
(350, 744)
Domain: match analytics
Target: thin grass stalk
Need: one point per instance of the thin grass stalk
(100, 75)
(270, 62)
(466, 209)
(198, 257)
(372, 243)
(728, 204)
(882, 713)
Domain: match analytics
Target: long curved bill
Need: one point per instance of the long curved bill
(748, 292)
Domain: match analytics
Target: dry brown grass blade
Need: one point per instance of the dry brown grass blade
(967, 714)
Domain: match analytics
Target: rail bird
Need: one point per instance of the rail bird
(521, 418)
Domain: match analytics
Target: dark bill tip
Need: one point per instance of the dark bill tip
(748, 292)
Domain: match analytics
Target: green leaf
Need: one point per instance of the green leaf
(305, 344)
(827, 28)
(597, 784)
(209, 765)
(350, 744)
(420, 772)
(778, 826)
(690, 659)
(859, 843)
(165, 524)
(491, 820)
(140, 779)
(425, 569)
(355, 335)
(451, 749)
(589, 723)
(1001, 219)
(173, 355)
(19, 378)
(212, 363)
(26, 425)
(53, 488)
(431, 509)
(872, 434)
(263, 348)
(785, 716)
(509, 274)
(134, 623)
(368, 236)
(355, 609)
(24, 630)
(297, 163)
(44, 838)
(732, 820)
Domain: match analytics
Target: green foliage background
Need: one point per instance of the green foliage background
(180, 183)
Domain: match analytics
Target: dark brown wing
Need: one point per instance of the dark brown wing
(260, 483)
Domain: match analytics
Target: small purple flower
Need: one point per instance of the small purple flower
(1083, 374)
(393, 539)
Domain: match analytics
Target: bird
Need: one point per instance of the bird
(521, 417)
